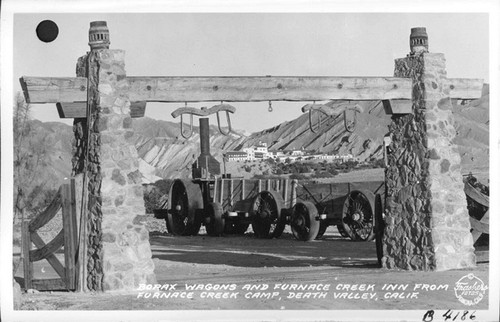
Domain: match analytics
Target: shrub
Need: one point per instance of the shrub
(298, 176)
(322, 174)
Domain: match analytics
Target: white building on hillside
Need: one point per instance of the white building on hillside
(259, 152)
(236, 156)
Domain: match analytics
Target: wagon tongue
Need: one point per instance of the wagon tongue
(206, 166)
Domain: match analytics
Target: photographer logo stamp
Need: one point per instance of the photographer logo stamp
(470, 289)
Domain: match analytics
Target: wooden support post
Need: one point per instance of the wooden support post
(285, 192)
(231, 187)
(27, 264)
(242, 189)
(294, 192)
(216, 186)
(69, 226)
(221, 195)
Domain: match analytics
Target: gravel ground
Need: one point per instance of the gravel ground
(234, 264)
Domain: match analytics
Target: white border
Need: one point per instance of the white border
(9, 7)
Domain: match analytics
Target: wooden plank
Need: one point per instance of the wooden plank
(69, 224)
(255, 89)
(27, 263)
(214, 197)
(482, 256)
(397, 106)
(231, 189)
(53, 246)
(486, 217)
(221, 195)
(51, 258)
(54, 89)
(475, 235)
(251, 89)
(477, 196)
(229, 89)
(285, 193)
(49, 284)
(465, 88)
(242, 183)
(237, 186)
(48, 213)
(479, 226)
(78, 109)
(69, 110)
(137, 109)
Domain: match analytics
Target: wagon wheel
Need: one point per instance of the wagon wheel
(185, 198)
(358, 218)
(304, 223)
(215, 226)
(267, 221)
(379, 228)
(342, 231)
(236, 228)
(323, 225)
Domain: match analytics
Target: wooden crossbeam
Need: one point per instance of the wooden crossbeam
(78, 109)
(70, 93)
(229, 89)
(51, 258)
(53, 246)
(256, 89)
(54, 89)
(465, 88)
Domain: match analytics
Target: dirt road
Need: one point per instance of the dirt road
(245, 273)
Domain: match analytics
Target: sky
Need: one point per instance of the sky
(250, 44)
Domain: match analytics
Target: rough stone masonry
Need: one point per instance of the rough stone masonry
(119, 253)
(427, 221)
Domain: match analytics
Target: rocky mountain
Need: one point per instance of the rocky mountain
(165, 154)
(364, 142)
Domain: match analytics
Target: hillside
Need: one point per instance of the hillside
(167, 154)
(365, 142)
(55, 141)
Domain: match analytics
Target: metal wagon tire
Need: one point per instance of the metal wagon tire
(215, 226)
(185, 198)
(341, 230)
(322, 229)
(304, 223)
(379, 228)
(358, 215)
(267, 220)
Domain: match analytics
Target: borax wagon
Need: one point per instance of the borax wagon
(226, 205)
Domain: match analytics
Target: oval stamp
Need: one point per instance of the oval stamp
(470, 289)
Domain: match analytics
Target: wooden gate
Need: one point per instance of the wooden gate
(67, 237)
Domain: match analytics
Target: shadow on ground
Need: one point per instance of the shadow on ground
(247, 251)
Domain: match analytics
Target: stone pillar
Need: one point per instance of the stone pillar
(119, 253)
(427, 221)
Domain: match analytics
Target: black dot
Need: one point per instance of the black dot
(47, 31)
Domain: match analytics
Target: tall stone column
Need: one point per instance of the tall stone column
(119, 253)
(427, 221)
